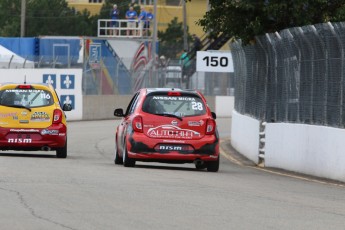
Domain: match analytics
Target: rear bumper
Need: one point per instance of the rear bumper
(172, 157)
(142, 148)
(32, 139)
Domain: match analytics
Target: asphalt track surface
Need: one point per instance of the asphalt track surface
(88, 191)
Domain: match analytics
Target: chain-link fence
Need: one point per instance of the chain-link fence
(296, 75)
(106, 72)
(126, 76)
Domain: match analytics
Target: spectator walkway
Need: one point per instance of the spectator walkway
(105, 29)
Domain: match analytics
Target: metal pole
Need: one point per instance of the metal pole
(154, 38)
(22, 21)
(185, 42)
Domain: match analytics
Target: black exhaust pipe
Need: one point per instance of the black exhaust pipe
(45, 148)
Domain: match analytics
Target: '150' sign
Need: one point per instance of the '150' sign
(214, 61)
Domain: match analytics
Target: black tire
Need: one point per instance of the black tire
(118, 160)
(127, 162)
(213, 166)
(62, 152)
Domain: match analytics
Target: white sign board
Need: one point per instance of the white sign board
(214, 61)
(67, 83)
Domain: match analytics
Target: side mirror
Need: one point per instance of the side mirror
(214, 116)
(118, 113)
(67, 107)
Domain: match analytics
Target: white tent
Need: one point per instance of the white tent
(10, 60)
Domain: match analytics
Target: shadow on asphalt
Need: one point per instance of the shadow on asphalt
(29, 155)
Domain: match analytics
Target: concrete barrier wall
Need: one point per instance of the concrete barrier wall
(96, 107)
(309, 149)
(245, 136)
(224, 105)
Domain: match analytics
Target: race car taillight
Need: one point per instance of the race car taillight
(57, 117)
(24, 87)
(210, 127)
(137, 124)
(172, 93)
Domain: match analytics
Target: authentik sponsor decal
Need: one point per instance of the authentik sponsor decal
(170, 131)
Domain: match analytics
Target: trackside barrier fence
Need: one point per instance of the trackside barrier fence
(295, 76)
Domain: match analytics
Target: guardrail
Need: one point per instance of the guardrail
(122, 28)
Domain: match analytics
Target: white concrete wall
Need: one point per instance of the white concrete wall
(309, 149)
(245, 135)
(224, 106)
(313, 150)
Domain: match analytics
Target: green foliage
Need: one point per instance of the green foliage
(52, 17)
(246, 19)
(10, 17)
(171, 40)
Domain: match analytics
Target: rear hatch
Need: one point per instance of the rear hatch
(26, 108)
(179, 116)
(22, 118)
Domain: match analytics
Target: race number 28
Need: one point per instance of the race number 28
(215, 61)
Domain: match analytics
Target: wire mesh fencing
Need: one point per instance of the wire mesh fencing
(124, 76)
(296, 75)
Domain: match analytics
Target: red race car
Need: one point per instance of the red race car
(169, 126)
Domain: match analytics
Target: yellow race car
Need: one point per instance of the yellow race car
(31, 119)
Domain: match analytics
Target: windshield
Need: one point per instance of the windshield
(181, 106)
(29, 98)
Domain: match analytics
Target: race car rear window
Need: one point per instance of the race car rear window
(26, 97)
(183, 105)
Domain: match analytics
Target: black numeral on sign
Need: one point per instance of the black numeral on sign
(215, 61)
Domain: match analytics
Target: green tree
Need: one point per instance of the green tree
(171, 40)
(52, 17)
(9, 18)
(245, 19)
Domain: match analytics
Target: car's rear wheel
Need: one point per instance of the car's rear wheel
(213, 166)
(62, 152)
(127, 162)
(118, 160)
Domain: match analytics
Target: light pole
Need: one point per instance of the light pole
(154, 38)
(185, 38)
(22, 19)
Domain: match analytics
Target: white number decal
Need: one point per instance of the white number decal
(197, 106)
(45, 96)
